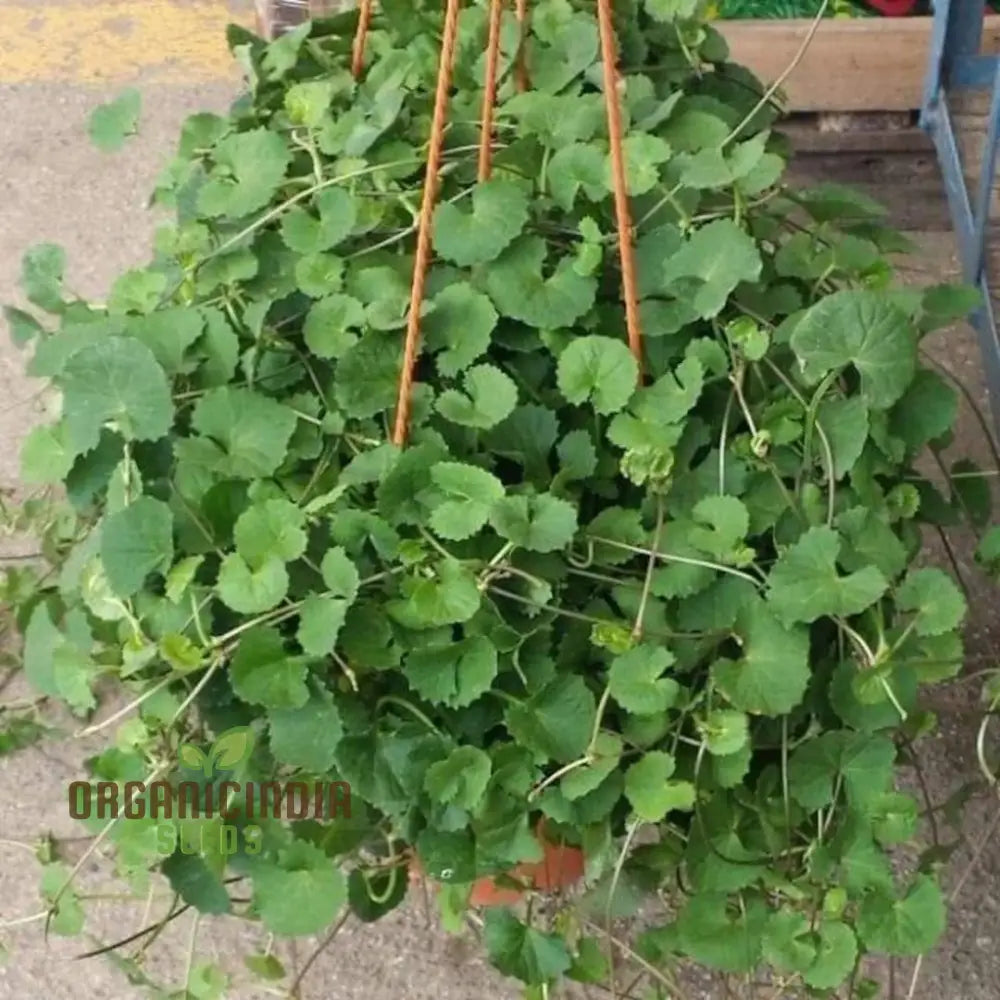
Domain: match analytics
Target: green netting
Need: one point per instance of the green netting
(775, 9)
(767, 9)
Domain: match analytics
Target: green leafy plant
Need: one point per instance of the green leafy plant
(674, 617)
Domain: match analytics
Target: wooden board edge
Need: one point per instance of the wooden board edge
(808, 136)
(864, 64)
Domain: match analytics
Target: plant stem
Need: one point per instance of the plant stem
(192, 943)
(667, 557)
(196, 619)
(391, 699)
(551, 779)
(315, 421)
(196, 520)
(346, 668)
(673, 987)
(21, 921)
(279, 210)
(859, 642)
(737, 382)
(824, 440)
(640, 615)
(268, 618)
(436, 545)
(991, 778)
(723, 434)
(783, 76)
(631, 831)
(93, 846)
(807, 431)
(785, 792)
(615, 581)
(904, 635)
(891, 695)
(310, 147)
(198, 688)
(602, 707)
(581, 617)
(978, 474)
(970, 520)
(294, 989)
(956, 567)
(670, 198)
(127, 710)
(977, 853)
(502, 553)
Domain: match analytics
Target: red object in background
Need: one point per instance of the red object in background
(893, 8)
(561, 867)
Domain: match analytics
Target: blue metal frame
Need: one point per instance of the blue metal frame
(956, 63)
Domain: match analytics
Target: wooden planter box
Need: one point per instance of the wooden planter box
(867, 64)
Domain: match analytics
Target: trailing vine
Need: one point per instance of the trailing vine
(667, 614)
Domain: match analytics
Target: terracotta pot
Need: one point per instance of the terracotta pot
(561, 868)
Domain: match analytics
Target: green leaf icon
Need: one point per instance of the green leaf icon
(232, 748)
(191, 756)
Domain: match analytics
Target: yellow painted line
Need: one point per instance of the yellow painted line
(105, 41)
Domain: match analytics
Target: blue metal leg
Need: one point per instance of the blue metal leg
(986, 181)
(954, 183)
(965, 28)
(935, 64)
(955, 62)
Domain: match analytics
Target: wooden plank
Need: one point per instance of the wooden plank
(854, 132)
(866, 64)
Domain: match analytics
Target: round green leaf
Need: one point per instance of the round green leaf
(864, 329)
(300, 893)
(116, 381)
(252, 590)
(635, 681)
(136, 541)
(932, 595)
(262, 672)
(516, 283)
(111, 124)
(598, 370)
(499, 211)
(725, 732)
(910, 925)
(306, 736)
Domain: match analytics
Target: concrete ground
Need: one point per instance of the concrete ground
(58, 58)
